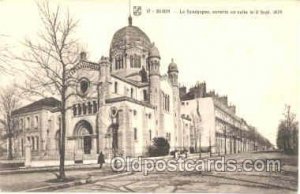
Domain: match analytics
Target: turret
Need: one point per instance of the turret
(154, 84)
(173, 73)
(154, 75)
(104, 79)
(173, 77)
(102, 94)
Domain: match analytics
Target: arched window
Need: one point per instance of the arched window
(84, 108)
(89, 107)
(37, 142)
(95, 107)
(119, 62)
(135, 133)
(131, 92)
(145, 95)
(137, 61)
(27, 123)
(32, 143)
(74, 110)
(79, 109)
(131, 61)
(84, 86)
(116, 63)
(116, 87)
(36, 122)
(21, 124)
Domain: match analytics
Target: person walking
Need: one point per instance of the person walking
(101, 160)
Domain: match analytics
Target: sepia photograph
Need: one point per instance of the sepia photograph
(145, 96)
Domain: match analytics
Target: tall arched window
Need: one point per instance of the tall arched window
(36, 122)
(21, 124)
(74, 110)
(27, 123)
(137, 61)
(89, 107)
(131, 61)
(95, 107)
(131, 92)
(84, 108)
(79, 109)
(116, 87)
(119, 62)
(135, 133)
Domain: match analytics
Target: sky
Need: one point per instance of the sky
(253, 59)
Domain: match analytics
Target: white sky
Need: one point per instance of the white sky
(252, 59)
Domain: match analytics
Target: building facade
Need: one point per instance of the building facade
(122, 102)
(220, 130)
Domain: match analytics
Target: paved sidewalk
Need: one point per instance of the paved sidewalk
(40, 179)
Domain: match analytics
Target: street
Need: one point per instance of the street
(233, 182)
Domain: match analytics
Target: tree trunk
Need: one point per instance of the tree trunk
(62, 174)
(10, 155)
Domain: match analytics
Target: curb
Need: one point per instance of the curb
(81, 181)
(46, 169)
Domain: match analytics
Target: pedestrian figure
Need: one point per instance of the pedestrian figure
(173, 153)
(176, 155)
(101, 160)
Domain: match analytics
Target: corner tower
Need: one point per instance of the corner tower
(173, 77)
(154, 85)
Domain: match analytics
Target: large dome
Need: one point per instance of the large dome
(128, 37)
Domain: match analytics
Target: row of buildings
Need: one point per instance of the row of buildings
(123, 101)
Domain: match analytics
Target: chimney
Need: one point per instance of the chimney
(232, 108)
(182, 91)
(224, 100)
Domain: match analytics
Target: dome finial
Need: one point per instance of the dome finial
(172, 60)
(130, 20)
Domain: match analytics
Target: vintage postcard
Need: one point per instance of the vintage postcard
(149, 96)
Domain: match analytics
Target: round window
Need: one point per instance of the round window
(84, 85)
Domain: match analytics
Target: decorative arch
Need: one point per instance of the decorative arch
(83, 128)
(83, 132)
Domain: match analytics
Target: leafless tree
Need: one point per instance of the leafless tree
(4, 55)
(50, 59)
(9, 101)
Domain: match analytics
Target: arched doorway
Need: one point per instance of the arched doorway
(112, 139)
(83, 132)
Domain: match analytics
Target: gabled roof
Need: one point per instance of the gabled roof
(50, 103)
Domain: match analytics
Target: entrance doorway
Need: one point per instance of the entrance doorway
(87, 144)
(83, 132)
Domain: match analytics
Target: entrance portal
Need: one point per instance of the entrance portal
(87, 144)
(83, 132)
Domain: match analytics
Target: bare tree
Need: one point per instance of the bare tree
(50, 59)
(9, 101)
(4, 55)
(287, 135)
